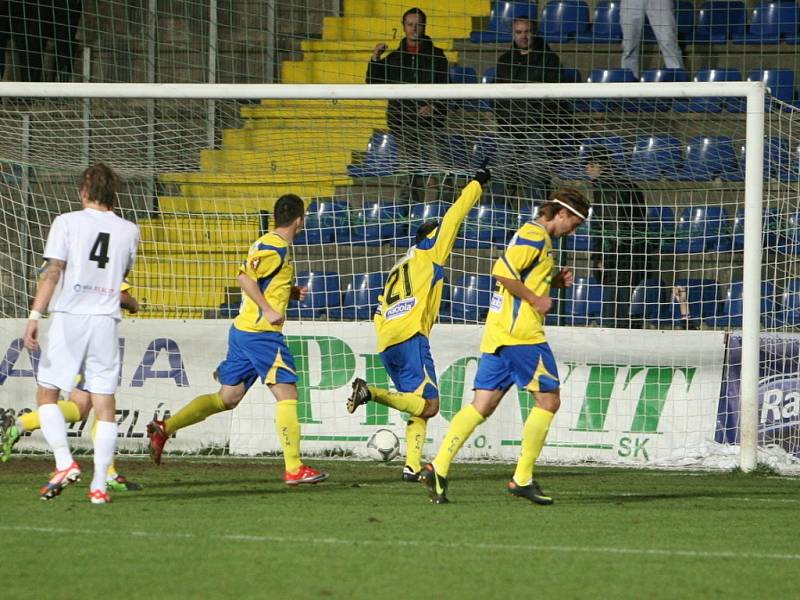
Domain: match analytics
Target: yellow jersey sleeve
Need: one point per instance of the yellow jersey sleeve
(523, 251)
(440, 241)
(267, 264)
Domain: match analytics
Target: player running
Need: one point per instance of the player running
(406, 313)
(88, 253)
(75, 409)
(256, 346)
(514, 348)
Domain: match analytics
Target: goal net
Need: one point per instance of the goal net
(649, 341)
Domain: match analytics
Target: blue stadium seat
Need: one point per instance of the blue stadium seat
(608, 76)
(500, 18)
(489, 75)
(656, 156)
(790, 303)
(418, 214)
(484, 226)
(661, 223)
(377, 223)
(453, 152)
(714, 104)
(569, 75)
(788, 233)
(325, 223)
(583, 302)
(483, 148)
(719, 20)
(605, 27)
(709, 157)
(468, 299)
(647, 301)
(380, 159)
(360, 296)
(701, 296)
(791, 173)
(731, 307)
(561, 20)
(769, 22)
(780, 83)
(702, 229)
(467, 75)
(658, 76)
(322, 298)
(582, 240)
(684, 22)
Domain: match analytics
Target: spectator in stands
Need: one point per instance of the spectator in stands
(662, 20)
(619, 217)
(66, 16)
(534, 128)
(416, 124)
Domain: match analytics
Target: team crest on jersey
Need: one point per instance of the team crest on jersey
(398, 309)
(254, 263)
(497, 302)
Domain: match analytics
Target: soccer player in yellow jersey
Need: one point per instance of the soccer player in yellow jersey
(514, 349)
(406, 313)
(75, 409)
(256, 346)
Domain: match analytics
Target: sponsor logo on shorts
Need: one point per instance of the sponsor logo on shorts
(398, 309)
(497, 302)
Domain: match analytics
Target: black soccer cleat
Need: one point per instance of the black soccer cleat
(436, 484)
(359, 396)
(531, 492)
(410, 475)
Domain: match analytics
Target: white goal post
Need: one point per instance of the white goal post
(754, 94)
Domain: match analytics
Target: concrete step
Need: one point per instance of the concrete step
(246, 161)
(390, 30)
(183, 204)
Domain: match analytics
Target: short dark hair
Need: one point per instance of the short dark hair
(415, 11)
(531, 20)
(287, 208)
(424, 229)
(101, 184)
(598, 157)
(570, 197)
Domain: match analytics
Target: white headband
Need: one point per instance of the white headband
(569, 208)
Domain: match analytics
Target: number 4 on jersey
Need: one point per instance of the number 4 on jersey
(99, 251)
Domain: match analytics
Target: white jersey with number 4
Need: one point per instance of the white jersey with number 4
(99, 248)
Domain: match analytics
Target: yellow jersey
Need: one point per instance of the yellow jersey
(410, 301)
(512, 321)
(268, 264)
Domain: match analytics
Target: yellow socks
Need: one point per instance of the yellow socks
(461, 427)
(197, 410)
(402, 401)
(533, 435)
(30, 421)
(288, 428)
(415, 440)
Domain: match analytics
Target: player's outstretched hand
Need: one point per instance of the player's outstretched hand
(483, 175)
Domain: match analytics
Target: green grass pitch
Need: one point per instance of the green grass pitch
(221, 528)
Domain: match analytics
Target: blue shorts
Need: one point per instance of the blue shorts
(253, 355)
(530, 367)
(410, 366)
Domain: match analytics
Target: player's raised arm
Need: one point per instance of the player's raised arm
(445, 236)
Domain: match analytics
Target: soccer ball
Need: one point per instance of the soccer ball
(383, 445)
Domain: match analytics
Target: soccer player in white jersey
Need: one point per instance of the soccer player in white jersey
(88, 252)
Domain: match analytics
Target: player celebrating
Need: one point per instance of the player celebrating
(88, 254)
(256, 346)
(75, 409)
(406, 313)
(514, 349)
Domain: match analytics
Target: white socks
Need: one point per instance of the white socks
(105, 442)
(54, 429)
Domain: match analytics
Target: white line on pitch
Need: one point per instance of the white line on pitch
(415, 543)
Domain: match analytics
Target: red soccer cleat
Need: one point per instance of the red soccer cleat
(304, 475)
(158, 437)
(99, 497)
(59, 480)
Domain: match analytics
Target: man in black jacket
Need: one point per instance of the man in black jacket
(416, 124)
(535, 128)
(619, 218)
